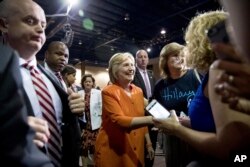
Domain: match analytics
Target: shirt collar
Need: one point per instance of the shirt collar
(141, 70)
(33, 62)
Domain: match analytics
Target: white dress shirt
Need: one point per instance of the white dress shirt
(30, 91)
(146, 80)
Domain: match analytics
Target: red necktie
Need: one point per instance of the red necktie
(48, 113)
(59, 76)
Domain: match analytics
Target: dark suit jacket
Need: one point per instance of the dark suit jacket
(70, 126)
(138, 81)
(16, 142)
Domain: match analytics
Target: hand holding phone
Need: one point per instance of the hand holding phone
(157, 110)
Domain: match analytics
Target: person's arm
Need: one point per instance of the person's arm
(116, 108)
(232, 127)
(149, 146)
(204, 142)
(138, 122)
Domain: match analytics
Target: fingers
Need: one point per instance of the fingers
(39, 143)
(232, 68)
(70, 91)
(41, 129)
(226, 51)
(151, 153)
(242, 105)
(173, 115)
(230, 86)
(40, 139)
(231, 79)
(73, 95)
(76, 103)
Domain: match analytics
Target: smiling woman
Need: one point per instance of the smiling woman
(124, 125)
(123, 69)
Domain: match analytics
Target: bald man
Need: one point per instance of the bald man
(23, 26)
(145, 80)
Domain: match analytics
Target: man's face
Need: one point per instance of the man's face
(25, 28)
(57, 56)
(142, 60)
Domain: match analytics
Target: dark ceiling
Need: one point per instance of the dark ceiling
(96, 29)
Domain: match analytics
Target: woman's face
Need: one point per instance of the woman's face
(175, 62)
(71, 78)
(126, 72)
(88, 83)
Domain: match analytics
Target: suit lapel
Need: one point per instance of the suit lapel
(140, 79)
(52, 78)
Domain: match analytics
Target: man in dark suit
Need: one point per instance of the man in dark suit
(56, 57)
(23, 25)
(16, 142)
(145, 80)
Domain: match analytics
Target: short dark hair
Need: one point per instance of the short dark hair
(85, 77)
(68, 69)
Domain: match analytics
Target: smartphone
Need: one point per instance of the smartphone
(218, 33)
(157, 110)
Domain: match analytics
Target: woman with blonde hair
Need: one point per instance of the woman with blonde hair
(120, 141)
(202, 136)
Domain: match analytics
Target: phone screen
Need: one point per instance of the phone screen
(157, 110)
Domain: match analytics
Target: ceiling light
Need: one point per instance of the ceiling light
(126, 17)
(80, 42)
(71, 3)
(81, 13)
(163, 31)
(148, 49)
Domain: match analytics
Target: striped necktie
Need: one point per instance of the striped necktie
(59, 76)
(48, 113)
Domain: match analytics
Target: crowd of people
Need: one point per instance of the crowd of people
(47, 120)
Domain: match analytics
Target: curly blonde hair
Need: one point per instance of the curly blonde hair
(200, 54)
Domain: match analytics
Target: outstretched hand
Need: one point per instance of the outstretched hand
(169, 125)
